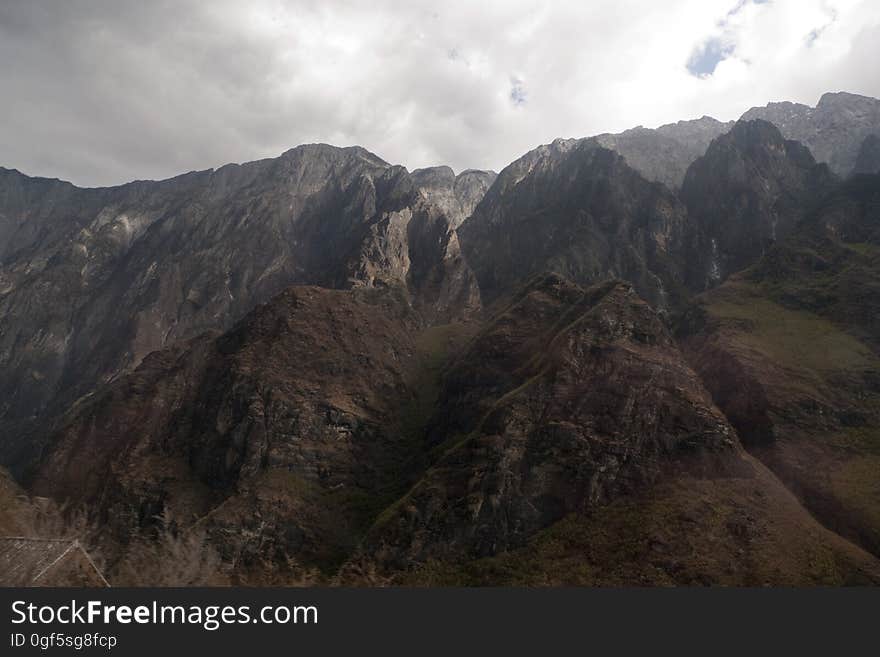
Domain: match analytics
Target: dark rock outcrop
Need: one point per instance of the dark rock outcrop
(578, 209)
(748, 191)
(868, 159)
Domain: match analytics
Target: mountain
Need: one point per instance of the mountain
(553, 434)
(455, 196)
(308, 436)
(868, 159)
(749, 190)
(579, 209)
(790, 350)
(650, 358)
(278, 436)
(664, 154)
(93, 280)
(548, 412)
(833, 130)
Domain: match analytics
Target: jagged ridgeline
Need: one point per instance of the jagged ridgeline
(643, 358)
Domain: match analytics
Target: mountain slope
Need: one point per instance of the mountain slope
(703, 528)
(583, 450)
(277, 436)
(790, 350)
(322, 367)
(284, 438)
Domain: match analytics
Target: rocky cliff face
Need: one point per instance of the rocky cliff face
(748, 191)
(868, 159)
(277, 436)
(665, 153)
(455, 196)
(577, 208)
(550, 411)
(91, 281)
(833, 130)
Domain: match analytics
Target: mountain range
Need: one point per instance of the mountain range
(648, 358)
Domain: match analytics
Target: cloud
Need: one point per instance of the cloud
(105, 92)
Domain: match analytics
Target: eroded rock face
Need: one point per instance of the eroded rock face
(868, 159)
(748, 191)
(274, 435)
(455, 196)
(570, 398)
(833, 130)
(577, 208)
(93, 280)
(664, 154)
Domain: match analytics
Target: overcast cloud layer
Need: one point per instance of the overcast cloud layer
(100, 93)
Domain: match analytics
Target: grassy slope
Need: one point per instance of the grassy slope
(745, 529)
(802, 339)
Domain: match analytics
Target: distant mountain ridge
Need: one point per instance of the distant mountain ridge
(833, 130)
(664, 154)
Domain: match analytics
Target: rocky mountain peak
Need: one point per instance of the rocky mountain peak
(457, 195)
(833, 130)
(320, 150)
(843, 100)
(583, 212)
(664, 154)
(749, 190)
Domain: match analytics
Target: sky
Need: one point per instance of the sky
(105, 91)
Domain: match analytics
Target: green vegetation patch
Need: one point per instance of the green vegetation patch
(796, 339)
